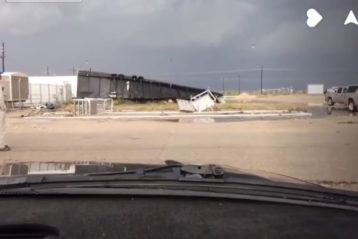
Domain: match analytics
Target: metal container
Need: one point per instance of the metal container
(15, 85)
(102, 85)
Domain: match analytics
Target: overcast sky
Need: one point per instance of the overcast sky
(195, 42)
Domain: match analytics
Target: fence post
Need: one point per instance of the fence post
(40, 86)
(48, 93)
(57, 95)
(30, 92)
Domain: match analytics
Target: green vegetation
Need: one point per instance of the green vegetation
(123, 105)
(231, 104)
(268, 94)
(231, 93)
(240, 106)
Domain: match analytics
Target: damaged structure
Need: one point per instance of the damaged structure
(203, 101)
(117, 86)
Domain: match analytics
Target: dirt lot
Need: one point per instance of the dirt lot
(317, 149)
(311, 149)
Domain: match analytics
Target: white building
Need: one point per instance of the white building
(313, 89)
(56, 80)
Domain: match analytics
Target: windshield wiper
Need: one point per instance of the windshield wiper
(180, 180)
(171, 171)
(175, 179)
(178, 169)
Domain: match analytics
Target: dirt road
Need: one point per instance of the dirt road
(312, 149)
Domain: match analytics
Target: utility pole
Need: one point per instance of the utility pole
(262, 79)
(3, 57)
(239, 85)
(74, 70)
(47, 71)
(223, 86)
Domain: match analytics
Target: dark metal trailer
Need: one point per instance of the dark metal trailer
(103, 85)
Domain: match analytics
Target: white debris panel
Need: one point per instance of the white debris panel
(198, 103)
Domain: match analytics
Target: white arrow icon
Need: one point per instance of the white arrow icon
(351, 18)
(313, 18)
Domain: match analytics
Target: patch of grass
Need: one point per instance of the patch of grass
(269, 94)
(145, 106)
(126, 105)
(229, 105)
(68, 107)
(231, 93)
(120, 102)
(259, 106)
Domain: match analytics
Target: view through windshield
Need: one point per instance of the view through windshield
(261, 86)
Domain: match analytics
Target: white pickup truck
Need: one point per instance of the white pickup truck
(347, 95)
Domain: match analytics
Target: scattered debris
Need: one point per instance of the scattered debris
(185, 106)
(50, 106)
(92, 106)
(58, 114)
(245, 97)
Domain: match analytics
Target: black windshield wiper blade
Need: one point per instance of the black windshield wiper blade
(168, 177)
(179, 170)
(167, 172)
(168, 164)
(139, 171)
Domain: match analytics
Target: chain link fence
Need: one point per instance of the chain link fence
(90, 106)
(40, 94)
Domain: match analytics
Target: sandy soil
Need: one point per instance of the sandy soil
(294, 98)
(282, 99)
(244, 101)
(311, 149)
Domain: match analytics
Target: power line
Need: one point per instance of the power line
(3, 56)
(218, 72)
(262, 75)
(239, 85)
(223, 85)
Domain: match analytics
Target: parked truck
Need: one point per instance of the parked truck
(347, 95)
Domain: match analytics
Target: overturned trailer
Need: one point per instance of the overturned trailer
(103, 85)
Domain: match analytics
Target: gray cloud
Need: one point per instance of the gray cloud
(27, 19)
(174, 39)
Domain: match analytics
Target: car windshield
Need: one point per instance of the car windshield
(262, 87)
(352, 89)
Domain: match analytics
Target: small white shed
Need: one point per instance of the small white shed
(15, 85)
(315, 89)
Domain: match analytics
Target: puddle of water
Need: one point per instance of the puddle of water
(323, 112)
(348, 122)
(271, 118)
(206, 120)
